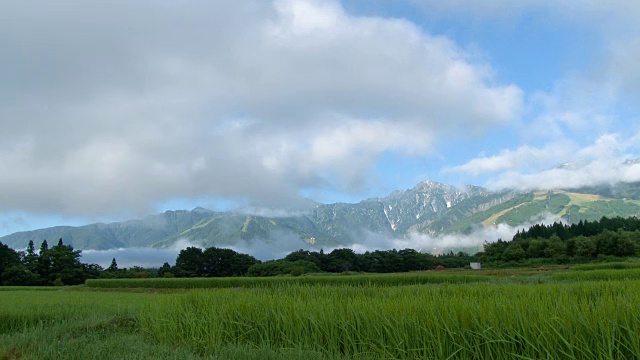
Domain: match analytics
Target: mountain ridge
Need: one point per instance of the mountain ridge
(429, 207)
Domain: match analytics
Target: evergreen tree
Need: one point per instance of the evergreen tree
(30, 259)
(61, 265)
(114, 266)
(43, 268)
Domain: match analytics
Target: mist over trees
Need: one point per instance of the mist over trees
(603, 240)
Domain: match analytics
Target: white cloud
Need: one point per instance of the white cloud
(560, 165)
(522, 158)
(443, 243)
(115, 106)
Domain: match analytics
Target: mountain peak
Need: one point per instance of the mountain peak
(200, 209)
(429, 185)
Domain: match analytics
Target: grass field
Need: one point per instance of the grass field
(415, 278)
(523, 313)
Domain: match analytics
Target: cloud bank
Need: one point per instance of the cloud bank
(143, 257)
(119, 105)
(607, 161)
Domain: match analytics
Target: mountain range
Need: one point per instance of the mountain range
(429, 207)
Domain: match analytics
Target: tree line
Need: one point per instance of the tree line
(608, 238)
(561, 243)
(56, 265)
(215, 262)
(60, 264)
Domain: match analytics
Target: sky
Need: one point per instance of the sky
(115, 110)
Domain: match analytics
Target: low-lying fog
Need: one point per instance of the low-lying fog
(262, 250)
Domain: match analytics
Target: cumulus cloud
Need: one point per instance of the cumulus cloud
(561, 165)
(120, 105)
(521, 158)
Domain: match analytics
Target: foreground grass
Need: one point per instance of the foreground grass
(525, 314)
(78, 324)
(37, 324)
(467, 321)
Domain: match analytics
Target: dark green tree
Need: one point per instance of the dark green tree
(19, 275)
(8, 258)
(340, 260)
(43, 268)
(30, 259)
(225, 262)
(513, 252)
(66, 267)
(114, 266)
(585, 247)
(190, 262)
(165, 270)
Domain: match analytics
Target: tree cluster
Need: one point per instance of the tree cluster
(561, 243)
(58, 265)
(582, 228)
(211, 262)
(225, 262)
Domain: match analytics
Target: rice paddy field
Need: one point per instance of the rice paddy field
(577, 313)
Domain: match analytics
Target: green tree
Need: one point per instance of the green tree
(556, 249)
(114, 266)
(340, 260)
(165, 270)
(190, 262)
(30, 259)
(226, 262)
(65, 264)
(513, 252)
(305, 255)
(92, 271)
(43, 268)
(8, 259)
(19, 275)
(626, 246)
(494, 251)
(536, 248)
(585, 247)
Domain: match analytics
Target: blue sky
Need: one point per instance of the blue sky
(123, 109)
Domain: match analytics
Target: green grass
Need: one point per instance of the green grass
(29, 288)
(507, 314)
(249, 282)
(597, 275)
(462, 321)
(22, 309)
(604, 266)
(61, 324)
